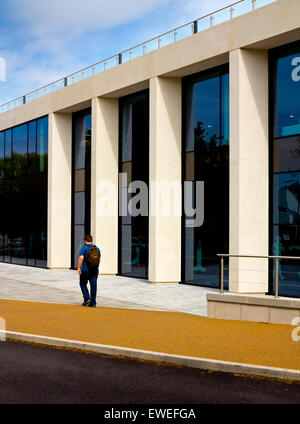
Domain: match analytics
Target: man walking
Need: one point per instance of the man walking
(88, 269)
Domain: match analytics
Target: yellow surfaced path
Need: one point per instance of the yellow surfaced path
(167, 332)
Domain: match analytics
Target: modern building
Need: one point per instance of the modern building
(216, 101)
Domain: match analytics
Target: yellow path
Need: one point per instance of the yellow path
(168, 332)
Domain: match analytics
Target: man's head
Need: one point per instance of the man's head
(88, 239)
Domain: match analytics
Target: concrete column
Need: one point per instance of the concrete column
(59, 190)
(249, 173)
(165, 174)
(104, 187)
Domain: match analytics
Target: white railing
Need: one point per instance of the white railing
(222, 15)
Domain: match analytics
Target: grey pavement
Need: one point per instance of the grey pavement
(62, 286)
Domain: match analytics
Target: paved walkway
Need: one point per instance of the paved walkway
(25, 283)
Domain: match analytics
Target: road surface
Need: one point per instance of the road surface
(32, 374)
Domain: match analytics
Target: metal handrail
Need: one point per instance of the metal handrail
(277, 258)
(64, 82)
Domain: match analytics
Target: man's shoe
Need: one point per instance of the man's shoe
(87, 303)
(91, 306)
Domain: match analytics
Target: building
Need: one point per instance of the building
(218, 103)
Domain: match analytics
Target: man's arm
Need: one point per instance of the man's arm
(80, 260)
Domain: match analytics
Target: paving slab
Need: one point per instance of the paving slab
(62, 286)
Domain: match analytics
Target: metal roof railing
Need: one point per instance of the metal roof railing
(222, 15)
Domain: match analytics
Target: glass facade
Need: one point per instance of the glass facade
(23, 194)
(285, 166)
(81, 181)
(134, 163)
(206, 158)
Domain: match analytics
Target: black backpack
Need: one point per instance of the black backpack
(93, 257)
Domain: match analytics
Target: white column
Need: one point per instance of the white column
(165, 170)
(249, 173)
(104, 186)
(59, 190)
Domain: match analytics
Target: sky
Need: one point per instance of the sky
(42, 41)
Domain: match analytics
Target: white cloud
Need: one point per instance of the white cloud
(52, 38)
(69, 17)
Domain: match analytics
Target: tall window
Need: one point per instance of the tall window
(206, 158)
(285, 170)
(134, 163)
(23, 194)
(82, 133)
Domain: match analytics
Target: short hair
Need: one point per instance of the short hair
(88, 238)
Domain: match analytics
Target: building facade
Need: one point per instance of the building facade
(221, 106)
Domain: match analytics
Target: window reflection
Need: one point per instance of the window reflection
(19, 156)
(23, 195)
(82, 132)
(42, 144)
(2, 140)
(134, 154)
(286, 155)
(287, 92)
(206, 143)
(285, 240)
(287, 198)
(7, 152)
(32, 148)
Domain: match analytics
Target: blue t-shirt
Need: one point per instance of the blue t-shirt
(84, 252)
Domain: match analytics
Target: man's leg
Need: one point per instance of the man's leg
(93, 282)
(83, 285)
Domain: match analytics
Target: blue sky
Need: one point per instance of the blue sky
(42, 41)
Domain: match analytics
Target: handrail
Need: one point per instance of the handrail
(182, 26)
(277, 258)
(258, 256)
(65, 81)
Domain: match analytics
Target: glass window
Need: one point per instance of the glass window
(8, 144)
(206, 158)
(79, 208)
(88, 139)
(286, 154)
(286, 242)
(32, 157)
(79, 144)
(81, 198)
(225, 118)
(79, 180)
(134, 162)
(8, 147)
(285, 175)
(78, 234)
(1, 154)
(32, 137)
(23, 236)
(287, 93)
(82, 141)
(286, 208)
(206, 102)
(42, 144)
(19, 157)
